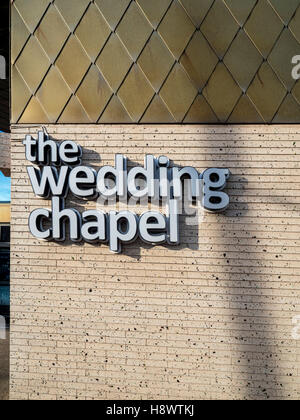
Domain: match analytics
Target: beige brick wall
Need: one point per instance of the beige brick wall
(211, 318)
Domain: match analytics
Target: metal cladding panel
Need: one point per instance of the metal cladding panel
(159, 61)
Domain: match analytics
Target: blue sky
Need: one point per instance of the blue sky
(4, 188)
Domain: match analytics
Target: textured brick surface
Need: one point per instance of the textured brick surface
(211, 318)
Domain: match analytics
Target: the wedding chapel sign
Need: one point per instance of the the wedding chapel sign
(59, 172)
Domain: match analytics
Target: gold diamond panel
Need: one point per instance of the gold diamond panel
(154, 61)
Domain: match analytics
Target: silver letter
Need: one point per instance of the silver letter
(30, 148)
(94, 230)
(36, 223)
(47, 180)
(214, 180)
(173, 222)
(119, 173)
(177, 177)
(149, 222)
(122, 228)
(67, 148)
(45, 144)
(59, 218)
(83, 175)
(164, 187)
(148, 173)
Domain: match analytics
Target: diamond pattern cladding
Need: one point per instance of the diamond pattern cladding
(154, 61)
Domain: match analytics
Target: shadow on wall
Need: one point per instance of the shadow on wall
(253, 343)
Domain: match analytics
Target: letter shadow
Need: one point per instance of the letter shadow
(188, 220)
(188, 224)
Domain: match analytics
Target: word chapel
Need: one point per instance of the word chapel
(59, 171)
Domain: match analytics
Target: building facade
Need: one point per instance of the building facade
(208, 84)
(4, 232)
